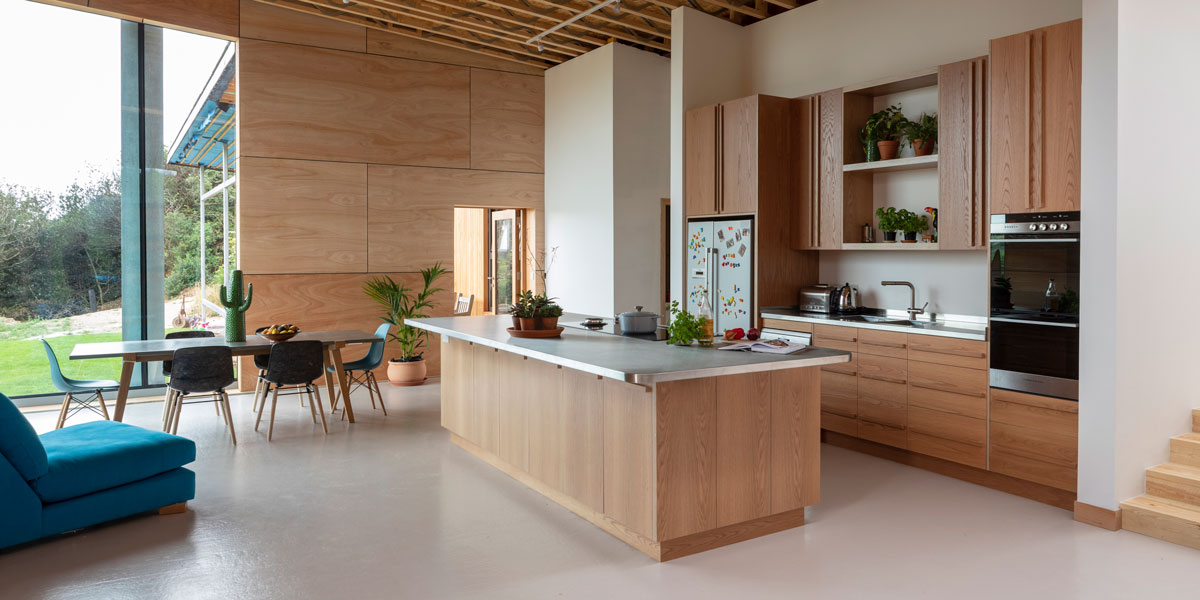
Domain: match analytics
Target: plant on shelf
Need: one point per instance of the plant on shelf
(922, 134)
(911, 224)
(889, 222)
(881, 134)
(401, 303)
(684, 327)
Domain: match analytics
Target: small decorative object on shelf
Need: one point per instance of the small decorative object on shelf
(922, 134)
(868, 234)
(933, 214)
(235, 307)
(881, 134)
(889, 222)
(400, 303)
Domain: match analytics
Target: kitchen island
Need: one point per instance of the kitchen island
(672, 450)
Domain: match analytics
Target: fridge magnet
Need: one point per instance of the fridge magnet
(742, 250)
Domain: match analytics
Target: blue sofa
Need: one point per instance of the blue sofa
(84, 475)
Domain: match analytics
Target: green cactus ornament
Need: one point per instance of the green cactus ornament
(235, 308)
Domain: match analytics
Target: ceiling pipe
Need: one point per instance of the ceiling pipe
(537, 39)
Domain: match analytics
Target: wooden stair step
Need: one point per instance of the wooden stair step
(1162, 518)
(1174, 481)
(1185, 449)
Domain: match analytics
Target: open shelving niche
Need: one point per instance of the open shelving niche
(907, 181)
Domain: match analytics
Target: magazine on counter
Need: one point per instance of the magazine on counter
(768, 346)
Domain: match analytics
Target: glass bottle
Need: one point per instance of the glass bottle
(706, 320)
(1051, 301)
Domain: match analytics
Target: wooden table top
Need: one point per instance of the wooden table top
(149, 350)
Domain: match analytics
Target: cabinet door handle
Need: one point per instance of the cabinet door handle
(1035, 117)
(815, 209)
(948, 389)
(882, 378)
(887, 344)
(950, 351)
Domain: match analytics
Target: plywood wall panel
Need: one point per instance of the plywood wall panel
(507, 121)
(265, 22)
(381, 42)
(412, 210)
(300, 216)
(219, 17)
(311, 103)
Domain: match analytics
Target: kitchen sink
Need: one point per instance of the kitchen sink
(866, 319)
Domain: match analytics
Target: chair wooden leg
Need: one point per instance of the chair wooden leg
(375, 383)
(62, 412)
(178, 410)
(228, 416)
(311, 407)
(103, 408)
(258, 383)
(166, 407)
(263, 408)
(173, 509)
(274, 401)
(320, 409)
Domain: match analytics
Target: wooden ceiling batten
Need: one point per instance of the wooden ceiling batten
(440, 18)
(476, 9)
(519, 7)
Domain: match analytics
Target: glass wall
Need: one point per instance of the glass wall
(98, 230)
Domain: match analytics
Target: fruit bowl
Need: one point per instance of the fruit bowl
(281, 336)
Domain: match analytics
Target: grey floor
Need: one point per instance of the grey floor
(389, 508)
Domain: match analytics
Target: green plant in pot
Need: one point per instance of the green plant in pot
(881, 134)
(684, 327)
(911, 224)
(401, 303)
(922, 134)
(535, 312)
(889, 222)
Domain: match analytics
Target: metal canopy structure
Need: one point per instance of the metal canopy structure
(208, 140)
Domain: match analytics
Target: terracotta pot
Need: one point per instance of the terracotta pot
(888, 149)
(922, 147)
(516, 323)
(546, 322)
(529, 324)
(406, 373)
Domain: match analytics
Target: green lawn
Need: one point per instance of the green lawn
(24, 368)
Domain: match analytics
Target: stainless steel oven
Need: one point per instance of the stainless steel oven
(1034, 321)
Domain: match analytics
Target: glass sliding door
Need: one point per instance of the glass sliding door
(504, 252)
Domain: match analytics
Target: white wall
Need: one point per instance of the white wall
(951, 282)
(579, 181)
(607, 170)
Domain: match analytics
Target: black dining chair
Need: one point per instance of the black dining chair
(293, 366)
(260, 363)
(204, 370)
(166, 365)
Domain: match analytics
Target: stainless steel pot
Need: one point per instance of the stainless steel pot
(638, 321)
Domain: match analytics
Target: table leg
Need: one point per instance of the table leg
(329, 380)
(123, 391)
(336, 351)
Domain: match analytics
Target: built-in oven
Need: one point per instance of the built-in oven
(1034, 321)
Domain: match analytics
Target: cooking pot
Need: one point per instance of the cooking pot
(638, 321)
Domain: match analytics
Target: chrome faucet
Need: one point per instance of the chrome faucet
(912, 309)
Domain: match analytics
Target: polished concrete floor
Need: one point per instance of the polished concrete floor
(389, 508)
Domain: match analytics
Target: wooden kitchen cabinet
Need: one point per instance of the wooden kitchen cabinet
(1035, 119)
(819, 131)
(700, 166)
(962, 155)
(1034, 438)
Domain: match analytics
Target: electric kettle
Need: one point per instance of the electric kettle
(847, 298)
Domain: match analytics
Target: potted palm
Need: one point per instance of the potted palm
(400, 303)
(881, 134)
(922, 133)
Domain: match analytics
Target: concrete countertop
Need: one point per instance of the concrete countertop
(632, 360)
(967, 328)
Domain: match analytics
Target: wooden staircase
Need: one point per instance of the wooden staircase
(1170, 509)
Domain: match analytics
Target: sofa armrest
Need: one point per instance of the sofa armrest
(20, 508)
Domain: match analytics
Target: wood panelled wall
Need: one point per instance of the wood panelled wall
(355, 146)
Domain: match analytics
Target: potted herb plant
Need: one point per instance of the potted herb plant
(922, 134)
(684, 327)
(522, 308)
(536, 312)
(911, 224)
(401, 303)
(889, 222)
(881, 134)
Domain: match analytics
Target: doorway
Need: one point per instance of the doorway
(504, 260)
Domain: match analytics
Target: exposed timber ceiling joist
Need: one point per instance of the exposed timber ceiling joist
(503, 28)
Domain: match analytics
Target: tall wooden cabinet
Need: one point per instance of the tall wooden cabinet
(962, 160)
(1035, 120)
(700, 160)
(736, 155)
(817, 221)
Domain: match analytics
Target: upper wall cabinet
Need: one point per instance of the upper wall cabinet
(735, 155)
(962, 188)
(818, 154)
(1035, 120)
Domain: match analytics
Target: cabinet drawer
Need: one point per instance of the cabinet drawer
(797, 326)
(839, 423)
(1030, 469)
(882, 368)
(967, 454)
(966, 430)
(1049, 447)
(1051, 415)
(956, 380)
(836, 332)
(883, 343)
(848, 368)
(883, 434)
(948, 351)
(839, 393)
(883, 402)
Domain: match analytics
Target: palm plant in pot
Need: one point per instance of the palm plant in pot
(922, 133)
(881, 134)
(401, 303)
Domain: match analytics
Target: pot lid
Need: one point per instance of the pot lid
(639, 313)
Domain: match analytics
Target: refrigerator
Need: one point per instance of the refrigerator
(720, 260)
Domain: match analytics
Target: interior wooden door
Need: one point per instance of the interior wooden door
(962, 157)
(504, 261)
(739, 156)
(700, 166)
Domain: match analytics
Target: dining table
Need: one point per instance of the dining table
(132, 352)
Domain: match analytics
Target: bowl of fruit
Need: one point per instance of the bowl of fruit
(279, 333)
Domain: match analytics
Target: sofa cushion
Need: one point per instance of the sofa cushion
(100, 455)
(164, 489)
(19, 443)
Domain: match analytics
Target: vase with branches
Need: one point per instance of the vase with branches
(401, 303)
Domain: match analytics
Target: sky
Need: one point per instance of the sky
(60, 91)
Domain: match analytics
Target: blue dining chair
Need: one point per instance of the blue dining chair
(89, 388)
(362, 372)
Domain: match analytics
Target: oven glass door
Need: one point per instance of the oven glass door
(1035, 276)
(1051, 350)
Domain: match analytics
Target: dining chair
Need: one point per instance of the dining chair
(91, 390)
(203, 370)
(260, 364)
(361, 372)
(166, 365)
(294, 366)
(462, 305)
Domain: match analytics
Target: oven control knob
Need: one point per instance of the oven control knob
(1054, 227)
(1033, 227)
(1064, 226)
(1042, 227)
